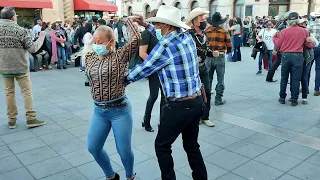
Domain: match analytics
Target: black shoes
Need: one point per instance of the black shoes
(219, 103)
(271, 80)
(116, 177)
(58, 67)
(64, 67)
(294, 102)
(86, 84)
(282, 101)
(147, 127)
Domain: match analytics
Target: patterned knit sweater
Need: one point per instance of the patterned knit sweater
(15, 45)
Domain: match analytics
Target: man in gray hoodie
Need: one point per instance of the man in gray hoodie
(15, 45)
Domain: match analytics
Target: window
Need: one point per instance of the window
(239, 8)
(213, 7)
(147, 10)
(194, 4)
(178, 5)
(129, 11)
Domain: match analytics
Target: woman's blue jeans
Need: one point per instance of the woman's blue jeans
(230, 54)
(31, 62)
(236, 50)
(120, 120)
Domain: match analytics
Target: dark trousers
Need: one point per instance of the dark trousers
(273, 68)
(305, 80)
(204, 76)
(291, 63)
(218, 65)
(245, 38)
(180, 118)
(154, 87)
(317, 67)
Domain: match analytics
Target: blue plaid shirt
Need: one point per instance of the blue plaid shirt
(175, 60)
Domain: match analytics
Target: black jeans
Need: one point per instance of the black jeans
(180, 118)
(292, 63)
(274, 67)
(154, 87)
(204, 76)
(218, 65)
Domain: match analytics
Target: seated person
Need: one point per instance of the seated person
(42, 58)
(31, 62)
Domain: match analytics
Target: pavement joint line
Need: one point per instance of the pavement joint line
(285, 134)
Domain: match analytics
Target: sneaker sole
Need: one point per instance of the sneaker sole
(12, 127)
(36, 125)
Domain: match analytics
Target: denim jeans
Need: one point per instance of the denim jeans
(261, 56)
(305, 79)
(245, 38)
(180, 118)
(217, 64)
(49, 48)
(31, 62)
(317, 68)
(62, 60)
(274, 67)
(154, 87)
(120, 120)
(291, 63)
(68, 53)
(236, 50)
(42, 60)
(229, 57)
(204, 76)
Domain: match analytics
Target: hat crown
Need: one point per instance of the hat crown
(169, 12)
(216, 16)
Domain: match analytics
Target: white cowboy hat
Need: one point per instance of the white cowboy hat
(169, 15)
(76, 16)
(315, 14)
(195, 13)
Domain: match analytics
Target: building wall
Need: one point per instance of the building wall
(54, 14)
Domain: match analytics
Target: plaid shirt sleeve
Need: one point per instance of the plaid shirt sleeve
(157, 59)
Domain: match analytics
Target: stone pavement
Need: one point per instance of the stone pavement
(255, 137)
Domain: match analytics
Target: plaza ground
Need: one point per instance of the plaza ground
(255, 137)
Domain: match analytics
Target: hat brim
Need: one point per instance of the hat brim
(216, 23)
(194, 15)
(167, 21)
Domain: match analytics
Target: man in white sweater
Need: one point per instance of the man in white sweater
(15, 45)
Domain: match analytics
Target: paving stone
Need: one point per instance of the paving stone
(147, 148)
(1, 142)
(213, 171)
(68, 146)
(79, 157)
(5, 151)
(239, 132)
(148, 170)
(9, 163)
(220, 125)
(207, 148)
(138, 157)
(79, 131)
(294, 126)
(71, 174)
(19, 127)
(271, 119)
(63, 117)
(315, 159)
(56, 137)
(47, 129)
(256, 170)
(26, 145)
(36, 155)
(288, 177)
(306, 171)
(226, 159)
(221, 140)
(277, 160)
(17, 136)
(264, 140)
(16, 174)
(68, 124)
(246, 149)
(205, 131)
(230, 176)
(48, 167)
(315, 131)
(295, 150)
(93, 171)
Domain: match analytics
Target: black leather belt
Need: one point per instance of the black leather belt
(117, 103)
(197, 94)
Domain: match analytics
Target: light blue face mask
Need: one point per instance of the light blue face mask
(100, 50)
(159, 34)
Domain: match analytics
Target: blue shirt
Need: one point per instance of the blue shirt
(175, 60)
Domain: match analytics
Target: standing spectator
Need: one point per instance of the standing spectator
(57, 40)
(36, 29)
(48, 43)
(14, 56)
(219, 43)
(231, 32)
(246, 31)
(290, 41)
(121, 34)
(315, 31)
(237, 34)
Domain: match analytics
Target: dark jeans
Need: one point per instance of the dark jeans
(245, 38)
(274, 67)
(261, 56)
(217, 64)
(236, 51)
(291, 63)
(305, 79)
(180, 118)
(204, 76)
(154, 87)
(49, 47)
(317, 64)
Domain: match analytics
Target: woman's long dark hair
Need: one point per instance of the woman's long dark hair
(238, 21)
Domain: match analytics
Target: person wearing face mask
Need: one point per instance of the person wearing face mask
(15, 47)
(106, 69)
(266, 36)
(197, 21)
(175, 60)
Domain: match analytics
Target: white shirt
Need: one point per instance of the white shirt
(125, 34)
(36, 29)
(267, 37)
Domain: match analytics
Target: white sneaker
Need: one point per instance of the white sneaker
(304, 101)
(207, 123)
(49, 67)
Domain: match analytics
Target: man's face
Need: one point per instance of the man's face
(39, 22)
(246, 19)
(164, 27)
(199, 19)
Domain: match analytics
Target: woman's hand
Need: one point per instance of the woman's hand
(139, 19)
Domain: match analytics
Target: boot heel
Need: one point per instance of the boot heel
(142, 123)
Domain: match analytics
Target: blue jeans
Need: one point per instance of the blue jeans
(236, 50)
(317, 64)
(230, 54)
(31, 61)
(305, 79)
(62, 60)
(120, 120)
(68, 53)
(262, 54)
(291, 63)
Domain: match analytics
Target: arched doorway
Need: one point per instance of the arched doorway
(147, 10)
(194, 4)
(238, 8)
(130, 11)
(278, 8)
(178, 5)
(213, 6)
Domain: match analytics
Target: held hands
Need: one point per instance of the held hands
(309, 40)
(42, 34)
(277, 34)
(139, 19)
(215, 53)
